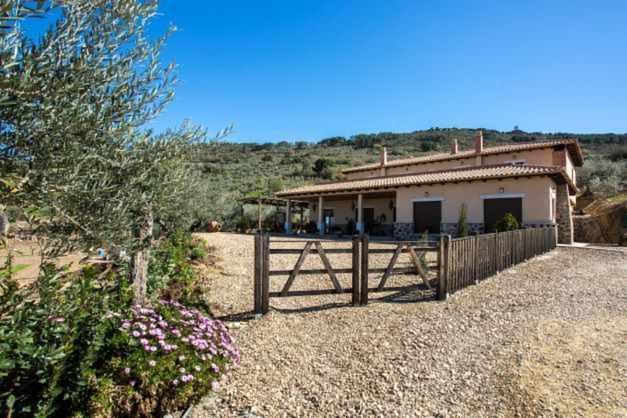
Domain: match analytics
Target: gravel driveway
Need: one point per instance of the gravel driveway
(544, 338)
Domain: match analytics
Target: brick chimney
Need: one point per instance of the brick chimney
(479, 142)
(454, 147)
(384, 156)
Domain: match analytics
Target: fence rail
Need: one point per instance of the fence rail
(460, 262)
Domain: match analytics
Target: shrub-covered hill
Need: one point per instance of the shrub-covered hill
(233, 170)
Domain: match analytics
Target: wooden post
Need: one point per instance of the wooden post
(364, 270)
(320, 215)
(496, 253)
(288, 217)
(258, 273)
(259, 215)
(356, 276)
(475, 257)
(443, 254)
(360, 213)
(265, 274)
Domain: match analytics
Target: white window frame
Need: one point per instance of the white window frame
(502, 196)
(428, 199)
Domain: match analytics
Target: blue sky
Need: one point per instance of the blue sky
(306, 70)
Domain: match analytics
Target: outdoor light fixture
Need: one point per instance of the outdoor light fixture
(426, 194)
(501, 190)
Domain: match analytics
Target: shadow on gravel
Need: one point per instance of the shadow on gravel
(405, 294)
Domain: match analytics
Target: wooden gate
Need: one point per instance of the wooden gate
(360, 270)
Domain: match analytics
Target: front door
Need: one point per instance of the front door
(495, 209)
(427, 217)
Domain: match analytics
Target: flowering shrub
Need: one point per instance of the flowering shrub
(168, 357)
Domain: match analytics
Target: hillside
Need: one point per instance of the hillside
(235, 170)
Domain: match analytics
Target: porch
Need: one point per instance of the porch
(352, 213)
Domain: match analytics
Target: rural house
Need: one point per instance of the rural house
(536, 182)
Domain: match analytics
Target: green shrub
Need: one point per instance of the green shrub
(508, 223)
(172, 274)
(462, 225)
(53, 339)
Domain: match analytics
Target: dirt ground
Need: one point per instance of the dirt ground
(27, 260)
(544, 338)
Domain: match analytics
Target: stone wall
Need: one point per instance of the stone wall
(565, 233)
(451, 228)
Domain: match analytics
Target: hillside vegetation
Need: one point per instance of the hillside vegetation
(235, 170)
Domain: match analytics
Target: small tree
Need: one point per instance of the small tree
(322, 166)
(508, 223)
(462, 225)
(72, 110)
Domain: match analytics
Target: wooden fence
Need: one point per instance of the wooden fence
(471, 259)
(460, 262)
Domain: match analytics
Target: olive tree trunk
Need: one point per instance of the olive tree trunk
(4, 224)
(140, 260)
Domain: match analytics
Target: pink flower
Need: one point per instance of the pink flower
(175, 382)
(184, 378)
(197, 368)
(182, 370)
(127, 370)
(152, 363)
(215, 386)
(153, 348)
(136, 333)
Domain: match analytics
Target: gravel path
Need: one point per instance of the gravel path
(545, 338)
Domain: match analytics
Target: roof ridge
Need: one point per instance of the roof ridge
(460, 154)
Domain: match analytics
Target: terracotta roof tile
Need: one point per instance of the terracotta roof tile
(571, 143)
(446, 176)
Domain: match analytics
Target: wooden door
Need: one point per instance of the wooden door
(427, 217)
(495, 209)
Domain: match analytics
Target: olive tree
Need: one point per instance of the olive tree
(74, 105)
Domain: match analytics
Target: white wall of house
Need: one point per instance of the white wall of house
(536, 195)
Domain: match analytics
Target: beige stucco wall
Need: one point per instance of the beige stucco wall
(531, 157)
(570, 168)
(536, 201)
